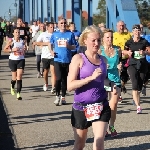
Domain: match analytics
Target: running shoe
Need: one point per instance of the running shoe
(57, 100)
(120, 99)
(139, 110)
(63, 101)
(144, 91)
(45, 87)
(38, 75)
(41, 75)
(53, 90)
(113, 131)
(13, 91)
(19, 97)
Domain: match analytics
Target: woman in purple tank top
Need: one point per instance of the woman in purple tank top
(86, 76)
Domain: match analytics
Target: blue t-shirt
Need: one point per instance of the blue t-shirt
(76, 33)
(58, 38)
(147, 37)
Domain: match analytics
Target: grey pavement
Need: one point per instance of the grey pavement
(37, 124)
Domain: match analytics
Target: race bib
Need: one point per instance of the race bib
(137, 55)
(93, 111)
(61, 43)
(21, 32)
(19, 53)
(107, 88)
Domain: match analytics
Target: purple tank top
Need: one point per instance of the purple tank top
(94, 91)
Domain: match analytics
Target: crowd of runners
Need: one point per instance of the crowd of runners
(96, 63)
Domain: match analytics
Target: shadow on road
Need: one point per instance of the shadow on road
(144, 146)
(6, 137)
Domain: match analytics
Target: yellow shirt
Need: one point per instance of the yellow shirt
(119, 39)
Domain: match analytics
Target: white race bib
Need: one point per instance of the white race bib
(137, 55)
(93, 111)
(61, 43)
(107, 88)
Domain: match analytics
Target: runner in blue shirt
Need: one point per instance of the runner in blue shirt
(63, 42)
(77, 35)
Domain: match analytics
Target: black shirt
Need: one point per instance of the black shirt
(23, 32)
(136, 46)
(2, 34)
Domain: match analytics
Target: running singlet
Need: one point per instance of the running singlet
(119, 39)
(94, 91)
(113, 73)
(18, 55)
(45, 37)
(59, 39)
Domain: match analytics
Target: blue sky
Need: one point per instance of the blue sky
(5, 4)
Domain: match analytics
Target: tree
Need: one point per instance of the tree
(101, 15)
(143, 9)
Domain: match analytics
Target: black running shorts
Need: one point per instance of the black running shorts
(47, 63)
(16, 64)
(78, 119)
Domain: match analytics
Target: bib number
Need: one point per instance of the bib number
(93, 111)
(107, 88)
(61, 43)
(18, 53)
(137, 55)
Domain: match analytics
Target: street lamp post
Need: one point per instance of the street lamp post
(15, 5)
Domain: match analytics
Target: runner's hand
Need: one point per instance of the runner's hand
(141, 52)
(119, 66)
(52, 53)
(96, 73)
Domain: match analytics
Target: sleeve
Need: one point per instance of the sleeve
(52, 41)
(147, 44)
(40, 38)
(126, 46)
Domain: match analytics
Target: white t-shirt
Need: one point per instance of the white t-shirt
(34, 30)
(45, 37)
(19, 54)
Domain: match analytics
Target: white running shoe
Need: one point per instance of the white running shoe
(63, 101)
(45, 87)
(53, 90)
(57, 100)
(139, 110)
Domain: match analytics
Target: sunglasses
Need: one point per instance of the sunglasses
(63, 23)
(136, 30)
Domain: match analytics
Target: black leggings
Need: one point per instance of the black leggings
(38, 61)
(137, 77)
(124, 75)
(61, 71)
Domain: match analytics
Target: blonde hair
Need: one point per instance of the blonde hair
(87, 30)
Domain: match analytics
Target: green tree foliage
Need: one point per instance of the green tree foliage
(143, 8)
(101, 15)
